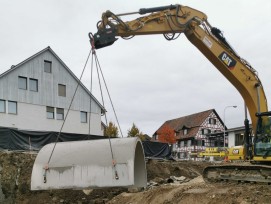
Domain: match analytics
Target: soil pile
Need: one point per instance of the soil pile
(168, 182)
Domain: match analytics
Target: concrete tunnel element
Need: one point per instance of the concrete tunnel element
(88, 164)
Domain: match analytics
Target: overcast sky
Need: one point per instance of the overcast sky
(150, 79)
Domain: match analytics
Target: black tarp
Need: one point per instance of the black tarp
(156, 150)
(13, 139)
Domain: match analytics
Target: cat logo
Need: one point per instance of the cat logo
(227, 60)
(235, 151)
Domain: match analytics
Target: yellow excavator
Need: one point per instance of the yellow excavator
(176, 19)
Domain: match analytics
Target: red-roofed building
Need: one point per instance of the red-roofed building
(192, 133)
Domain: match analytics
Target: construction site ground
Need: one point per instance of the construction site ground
(168, 182)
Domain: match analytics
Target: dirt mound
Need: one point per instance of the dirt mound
(16, 168)
(15, 177)
(198, 192)
(166, 168)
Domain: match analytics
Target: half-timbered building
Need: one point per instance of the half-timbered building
(193, 133)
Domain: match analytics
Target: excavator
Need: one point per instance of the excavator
(174, 20)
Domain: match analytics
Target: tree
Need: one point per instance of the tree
(135, 132)
(166, 135)
(112, 130)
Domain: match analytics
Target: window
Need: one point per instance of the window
(33, 85)
(60, 114)
(50, 112)
(12, 107)
(181, 155)
(185, 131)
(179, 143)
(194, 142)
(205, 131)
(182, 144)
(2, 106)
(185, 143)
(22, 82)
(83, 117)
(212, 121)
(47, 66)
(239, 139)
(189, 143)
(62, 90)
(200, 143)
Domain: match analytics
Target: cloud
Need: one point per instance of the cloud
(150, 79)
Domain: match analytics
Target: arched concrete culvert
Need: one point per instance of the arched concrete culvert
(88, 164)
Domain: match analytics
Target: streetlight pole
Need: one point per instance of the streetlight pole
(224, 120)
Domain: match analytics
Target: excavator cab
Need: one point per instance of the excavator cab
(262, 139)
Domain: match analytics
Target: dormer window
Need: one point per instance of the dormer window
(185, 131)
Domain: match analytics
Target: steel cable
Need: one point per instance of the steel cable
(79, 82)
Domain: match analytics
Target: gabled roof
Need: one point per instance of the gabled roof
(191, 122)
(13, 67)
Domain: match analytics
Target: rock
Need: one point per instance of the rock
(134, 190)
(54, 199)
(87, 191)
(175, 178)
(158, 180)
(152, 183)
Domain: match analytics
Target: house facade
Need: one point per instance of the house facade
(237, 136)
(36, 95)
(193, 133)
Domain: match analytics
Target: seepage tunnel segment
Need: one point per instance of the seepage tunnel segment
(88, 164)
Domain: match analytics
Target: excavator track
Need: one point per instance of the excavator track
(238, 173)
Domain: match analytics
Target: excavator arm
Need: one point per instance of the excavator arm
(165, 20)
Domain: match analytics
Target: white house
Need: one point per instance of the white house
(237, 136)
(36, 95)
